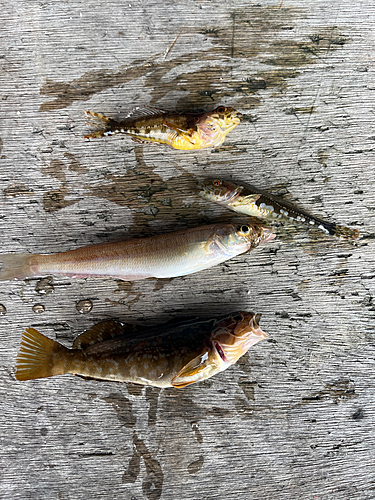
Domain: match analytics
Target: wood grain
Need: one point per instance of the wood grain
(295, 417)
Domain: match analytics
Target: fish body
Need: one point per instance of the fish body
(256, 202)
(163, 356)
(163, 256)
(179, 131)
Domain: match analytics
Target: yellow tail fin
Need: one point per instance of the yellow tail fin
(37, 356)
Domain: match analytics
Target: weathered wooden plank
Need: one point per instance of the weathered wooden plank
(294, 418)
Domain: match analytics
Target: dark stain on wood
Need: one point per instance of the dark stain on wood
(198, 435)
(161, 199)
(195, 466)
(55, 169)
(152, 395)
(134, 389)
(74, 164)
(134, 468)
(337, 391)
(248, 387)
(358, 414)
(160, 283)
(55, 200)
(17, 190)
(255, 33)
(123, 409)
(131, 297)
(152, 484)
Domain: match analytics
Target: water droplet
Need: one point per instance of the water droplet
(44, 286)
(84, 306)
(39, 308)
(3, 310)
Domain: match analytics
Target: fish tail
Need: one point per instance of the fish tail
(15, 266)
(97, 120)
(336, 230)
(37, 356)
(346, 232)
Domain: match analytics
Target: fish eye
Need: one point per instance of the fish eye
(245, 229)
(220, 109)
(217, 182)
(237, 317)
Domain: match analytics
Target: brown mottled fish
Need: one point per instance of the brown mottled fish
(163, 256)
(180, 131)
(256, 202)
(168, 355)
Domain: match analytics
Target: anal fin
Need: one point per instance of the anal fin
(141, 141)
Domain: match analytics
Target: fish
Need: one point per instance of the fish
(163, 256)
(179, 131)
(258, 203)
(170, 355)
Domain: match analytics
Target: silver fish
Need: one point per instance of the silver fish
(163, 256)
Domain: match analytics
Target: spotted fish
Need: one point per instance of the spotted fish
(170, 355)
(179, 131)
(256, 202)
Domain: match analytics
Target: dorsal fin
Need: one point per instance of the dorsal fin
(105, 330)
(146, 111)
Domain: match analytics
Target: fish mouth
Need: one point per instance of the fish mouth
(269, 234)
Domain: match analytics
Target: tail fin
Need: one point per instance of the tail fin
(346, 232)
(15, 266)
(37, 356)
(97, 120)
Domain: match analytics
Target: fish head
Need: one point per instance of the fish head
(219, 191)
(234, 335)
(234, 239)
(226, 118)
(230, 338)
(253, 233)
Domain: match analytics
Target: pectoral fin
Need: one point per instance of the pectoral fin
(187, 134)
(196, 370)
(250, 198)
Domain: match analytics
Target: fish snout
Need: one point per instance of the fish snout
(269, 234)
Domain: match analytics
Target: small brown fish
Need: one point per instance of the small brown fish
(163, 256)
(179, 131)
(168, 355)
(256, 202)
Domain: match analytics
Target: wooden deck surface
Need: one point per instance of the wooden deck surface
(294, 418)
